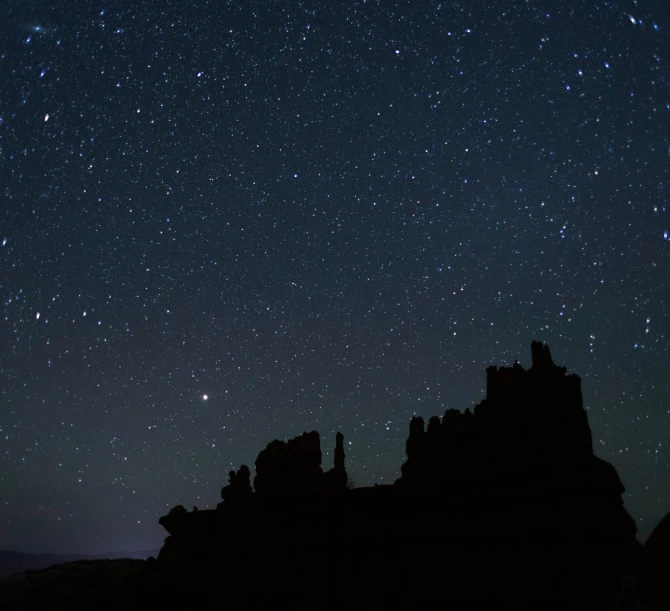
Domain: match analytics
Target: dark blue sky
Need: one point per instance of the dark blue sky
(320, 215)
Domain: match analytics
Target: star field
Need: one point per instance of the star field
(228, 222)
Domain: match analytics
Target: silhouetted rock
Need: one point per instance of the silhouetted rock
(289, 468)
(294, 468)
(654, 569)
(646, 586)
(339, 452)
(238, 489)
(337, 479)
(530, 422)
(541, 358)
(506, 505)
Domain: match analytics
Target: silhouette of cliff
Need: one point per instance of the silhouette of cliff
(503, 505)
(530, 429)
(294, 467)
(646, 584)
(238, 489)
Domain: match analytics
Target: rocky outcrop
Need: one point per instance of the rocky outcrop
(238, 489)
(289, 468)
(505, 504)
(646, 584)
(337, 479)
(531, 423)
(529, 442)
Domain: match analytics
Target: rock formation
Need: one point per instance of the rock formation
(646, 584)
(289, 468)
(238, 489)
(503, 505)
(336, 478)
(532, 423)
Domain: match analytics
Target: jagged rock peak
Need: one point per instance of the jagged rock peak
(530, 420)
(339, 451)
(294, 467)
(541, 356)
(239, 486)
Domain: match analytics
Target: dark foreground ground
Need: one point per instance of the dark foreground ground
(137, 584)
(83, 584)
(130, 584)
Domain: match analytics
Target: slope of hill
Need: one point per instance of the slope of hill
(82, 584)
(12, 562)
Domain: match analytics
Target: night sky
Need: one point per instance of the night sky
(228, 222)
